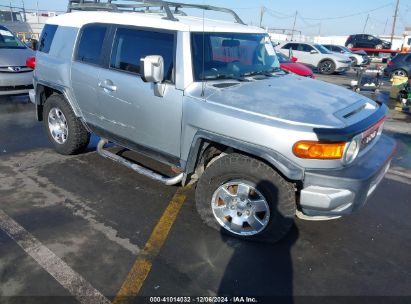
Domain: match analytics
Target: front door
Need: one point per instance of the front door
(129, 109)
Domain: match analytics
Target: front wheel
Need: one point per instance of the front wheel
(399, 72)
(378, 46)
(326, 67)
(245, 198)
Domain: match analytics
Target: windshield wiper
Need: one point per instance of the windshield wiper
(223, 76)
(268, 73)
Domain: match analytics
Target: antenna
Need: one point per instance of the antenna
(203, 63)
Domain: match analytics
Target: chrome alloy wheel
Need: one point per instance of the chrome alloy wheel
(58, 125)
(240, 208)
(326, 66)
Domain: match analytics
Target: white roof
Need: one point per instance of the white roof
(152, 20)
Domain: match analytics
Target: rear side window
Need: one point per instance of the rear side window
(46, 38)
(290, 46)
(90, 47)
(131, 44)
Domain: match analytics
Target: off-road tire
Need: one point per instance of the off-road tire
(279, 194)
(328, 71)
(78, 137)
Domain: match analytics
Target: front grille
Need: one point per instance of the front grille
(370, 135)
(16, 88)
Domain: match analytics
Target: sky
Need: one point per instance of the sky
(325, 17)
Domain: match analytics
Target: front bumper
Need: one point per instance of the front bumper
(342, 191)
(16, 83)
(342, 67)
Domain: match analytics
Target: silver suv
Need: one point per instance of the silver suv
(208, 99)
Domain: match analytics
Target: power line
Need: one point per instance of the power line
(352, 15)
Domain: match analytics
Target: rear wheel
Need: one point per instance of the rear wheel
(65, 131)
(350, 45)
(245, 198)
(326, 67)
(378, 46)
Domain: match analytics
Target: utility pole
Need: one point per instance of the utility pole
(262, 15)
(395, 20)
(295, 20)
(385, 26)
(11, 12)
(365, 25)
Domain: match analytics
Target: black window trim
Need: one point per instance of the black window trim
(112, 38)
(104, 46)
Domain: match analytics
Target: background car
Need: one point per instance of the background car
(315, 55)
(357, 59)
(399, 65)
(366, 41)
(292, 66)
(15, 76)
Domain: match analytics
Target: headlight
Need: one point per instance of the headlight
(351, 151)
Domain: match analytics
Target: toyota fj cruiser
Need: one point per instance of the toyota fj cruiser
(208, 98)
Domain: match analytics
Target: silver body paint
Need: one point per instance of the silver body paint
(265, 116)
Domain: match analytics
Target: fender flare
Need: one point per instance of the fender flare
(279, 162)
(39, 89)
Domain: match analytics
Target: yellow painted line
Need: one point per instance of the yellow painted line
(142, 266)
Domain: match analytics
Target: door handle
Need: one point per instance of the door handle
(107, 85)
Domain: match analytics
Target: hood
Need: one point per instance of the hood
(293, 99)
(297, 68)
(339, 56)
(14, 57)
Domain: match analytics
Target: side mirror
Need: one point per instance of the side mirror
(313, 52)
(294, 59)
(152, 69)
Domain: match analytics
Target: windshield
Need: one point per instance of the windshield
(283, 59)
(345, 49)
(231, 54)
(9, 41)
(322, 49)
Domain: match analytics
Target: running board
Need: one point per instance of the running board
(169, 181)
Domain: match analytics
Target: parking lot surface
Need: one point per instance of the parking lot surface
(85, 229)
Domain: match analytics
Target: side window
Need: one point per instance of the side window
(46, 38)
(305, 48)
(131, 45)
(91, 44)
(288, 46)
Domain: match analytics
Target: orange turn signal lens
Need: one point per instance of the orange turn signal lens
(318, 150)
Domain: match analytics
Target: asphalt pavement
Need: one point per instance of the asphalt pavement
(83, 225)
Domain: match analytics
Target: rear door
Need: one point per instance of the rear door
(85, 70)
(305, 53)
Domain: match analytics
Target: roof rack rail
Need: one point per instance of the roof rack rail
(145, 6)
